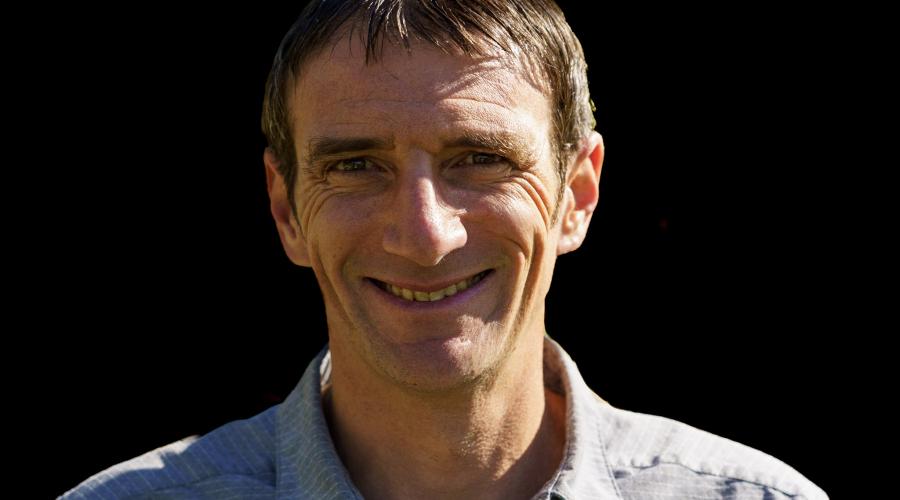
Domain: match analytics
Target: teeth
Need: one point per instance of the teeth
(415, 295)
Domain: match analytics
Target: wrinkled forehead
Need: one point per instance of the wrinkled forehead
(342, 65)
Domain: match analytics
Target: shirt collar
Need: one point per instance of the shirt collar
(308, 466)
(585, 471)
(306, 462)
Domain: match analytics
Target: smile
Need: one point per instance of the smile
(434, 296)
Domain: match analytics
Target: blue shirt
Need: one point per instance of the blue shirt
(286, 452)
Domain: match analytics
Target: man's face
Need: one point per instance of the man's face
(429, 177)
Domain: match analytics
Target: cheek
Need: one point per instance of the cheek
(334, 223)
(526, 198)
(538, 193)
(516, 211)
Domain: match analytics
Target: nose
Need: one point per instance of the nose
(422, 227)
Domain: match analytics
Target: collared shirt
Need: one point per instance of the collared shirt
(286, 452)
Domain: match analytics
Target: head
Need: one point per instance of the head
(533, 29)
(442, 150)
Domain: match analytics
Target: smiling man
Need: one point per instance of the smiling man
(429, 161)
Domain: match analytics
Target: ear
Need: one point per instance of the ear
(292, 238)
(581, 194)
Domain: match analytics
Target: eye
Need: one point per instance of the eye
(351, 165)
(480, 167)
(487, 159)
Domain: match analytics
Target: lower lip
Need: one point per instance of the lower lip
(446, 302)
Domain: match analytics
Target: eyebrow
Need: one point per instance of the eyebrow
(503, 143)
(323, 147)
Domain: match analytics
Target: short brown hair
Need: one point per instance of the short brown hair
(537, 27)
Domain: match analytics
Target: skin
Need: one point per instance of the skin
(456, 176)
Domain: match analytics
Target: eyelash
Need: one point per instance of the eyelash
(335, 165)
(497, 159)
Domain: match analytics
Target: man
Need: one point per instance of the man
(429, 161)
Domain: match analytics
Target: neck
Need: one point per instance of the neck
(502, 438)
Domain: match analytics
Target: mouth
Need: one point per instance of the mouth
(412, 295)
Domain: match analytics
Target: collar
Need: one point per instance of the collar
(308, 466)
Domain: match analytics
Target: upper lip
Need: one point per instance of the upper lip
(429, 286)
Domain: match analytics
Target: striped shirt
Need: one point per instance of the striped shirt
(286, 452)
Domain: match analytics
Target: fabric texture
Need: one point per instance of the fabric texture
(286, 452)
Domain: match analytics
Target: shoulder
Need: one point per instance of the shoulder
(237, 457)
(656, 457)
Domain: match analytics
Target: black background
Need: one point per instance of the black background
(164, 304)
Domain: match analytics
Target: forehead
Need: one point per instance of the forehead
(418, 96)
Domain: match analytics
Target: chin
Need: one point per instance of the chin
(442, 364)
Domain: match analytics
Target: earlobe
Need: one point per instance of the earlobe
(288, 228)
(581, 195)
